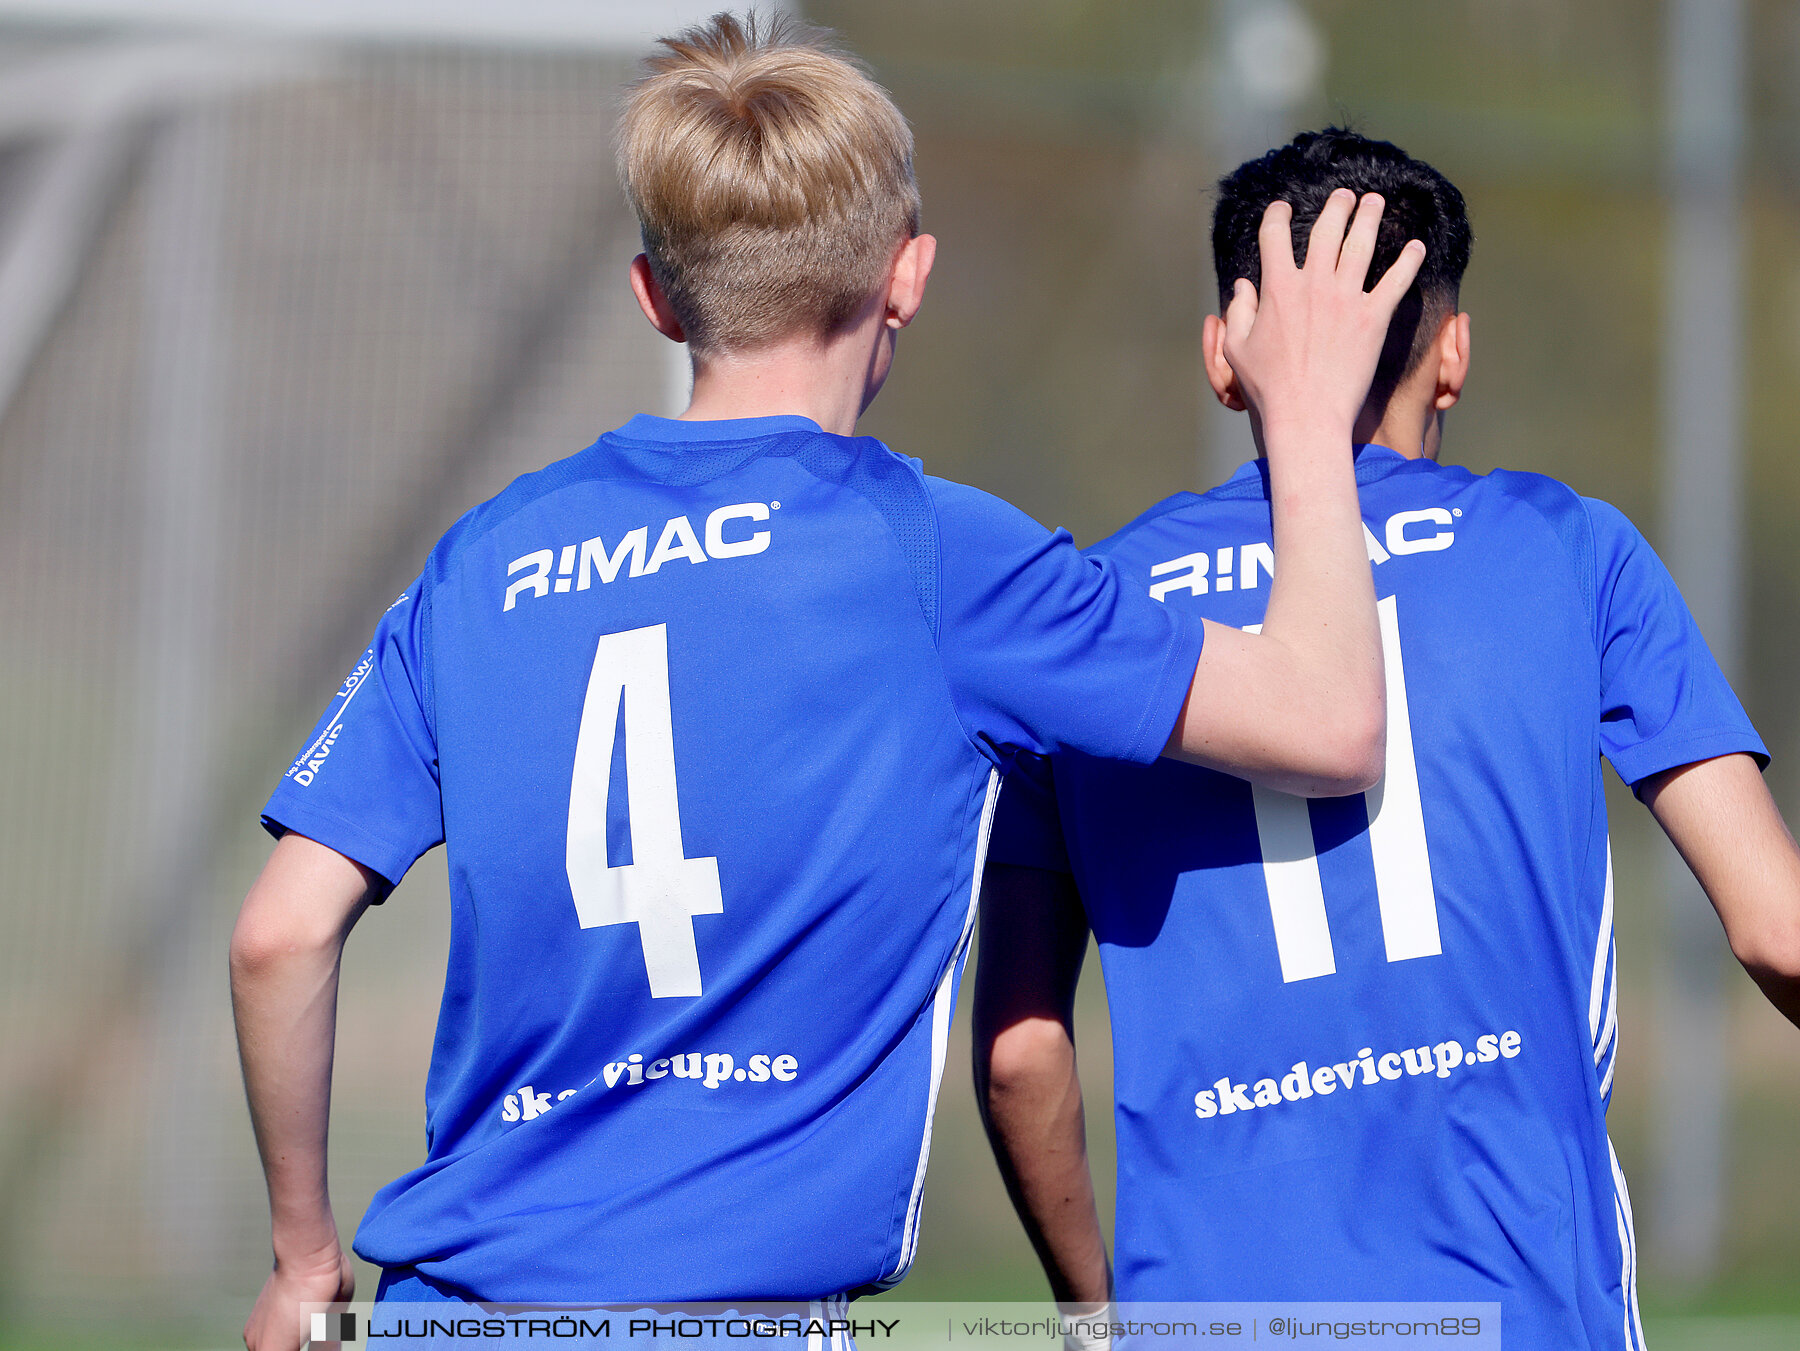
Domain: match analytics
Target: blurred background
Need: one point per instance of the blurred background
(285, 287)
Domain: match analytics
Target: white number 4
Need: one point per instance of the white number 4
(1403, 888)
(661, 889)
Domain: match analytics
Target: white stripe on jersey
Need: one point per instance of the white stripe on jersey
(1603, 1025)
(1603, 994)
(1612, 1012)
(940, 1030)
(1602, 948)
(1610, 1040)
(821, 1311)
(1624, 1270)
(1634, 1325)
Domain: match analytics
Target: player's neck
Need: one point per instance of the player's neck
(830, 380)
(1412, 428)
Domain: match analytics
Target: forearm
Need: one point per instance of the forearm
(285, 953)
(1033, 1113)
(1306, 693)
(285, 1004)
(1034, 936)
(1321, 611)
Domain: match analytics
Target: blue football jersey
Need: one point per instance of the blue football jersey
(709, 717)
(1364, 1046)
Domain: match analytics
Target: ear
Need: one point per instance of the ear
(1219, 374)
(1452, 347)
(906, 281)
(653, 302)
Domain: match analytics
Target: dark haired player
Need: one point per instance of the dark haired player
(1364, 1046)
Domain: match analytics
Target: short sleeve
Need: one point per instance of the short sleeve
(365, 783)
(1027, 830)
(1046, 649)
(1664, 702)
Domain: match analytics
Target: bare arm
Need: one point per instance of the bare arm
(1302, 706)
(1720, 816)
(284, 979)
(1033, 937)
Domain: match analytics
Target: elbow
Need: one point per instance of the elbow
(1022, 1059)
(255, 952)
(262, 945)
(1364, 764)
(1771, 951)
(1352, 759)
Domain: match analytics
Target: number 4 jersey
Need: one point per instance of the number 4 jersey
(1364, 1046)
(709, 717)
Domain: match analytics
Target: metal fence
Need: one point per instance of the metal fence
(271, 317)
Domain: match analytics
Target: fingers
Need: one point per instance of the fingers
(1240, 317)
(1327, 237)
(1351, 241)
(1398, 278)
(1275, 239)
(1359, 241)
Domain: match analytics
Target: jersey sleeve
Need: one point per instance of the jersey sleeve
(365, 783)
(1027, 830)
(1046, 649)
(1664, 702)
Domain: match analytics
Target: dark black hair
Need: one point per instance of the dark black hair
(1421, 204)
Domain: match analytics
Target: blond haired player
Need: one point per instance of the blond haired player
(709, 717)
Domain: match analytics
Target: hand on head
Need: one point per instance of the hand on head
(1305, 349)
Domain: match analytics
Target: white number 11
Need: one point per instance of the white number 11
(660, 890)
(1403, 888)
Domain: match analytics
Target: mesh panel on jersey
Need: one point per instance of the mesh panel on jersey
(688, 464)
(895, 489)
(1368, 469)
(427, 659)
(1561, 509)
(1256, 486)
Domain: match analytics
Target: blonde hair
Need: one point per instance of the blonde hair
(771, 177)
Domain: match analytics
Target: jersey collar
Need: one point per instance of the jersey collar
(1372, 462)
(663, 430)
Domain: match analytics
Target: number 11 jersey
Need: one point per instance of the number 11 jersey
(1363, 1046)
(709, 716)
